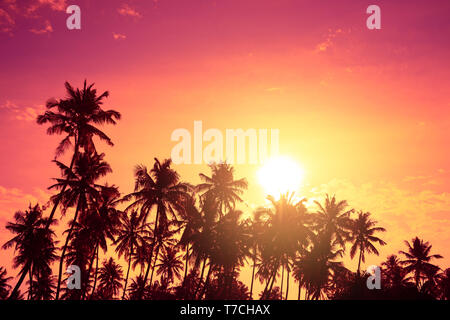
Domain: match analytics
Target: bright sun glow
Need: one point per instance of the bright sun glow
(280, 175)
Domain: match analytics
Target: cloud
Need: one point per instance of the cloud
(14, 199)
(47, 28)
(22, 113)
(6, 21)
(56, 5)
(329, 41)
(126, 10)
(119, 36)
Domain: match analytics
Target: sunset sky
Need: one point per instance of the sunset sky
(365, 113)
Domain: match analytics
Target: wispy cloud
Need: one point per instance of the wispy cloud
(47, 28)
(56, 5)
(119, 36)
(21, 113)
(127, 10)
(329, 40)
(6, 22)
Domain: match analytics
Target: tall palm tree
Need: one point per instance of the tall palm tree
(333, 220)
(33, 242)
(131, 235)
(192, 222)
(160, 188)
(222, 186)
(110, 277)
(170, 264)
(286, 232)
(418, 259)
(362, 235)
(395, 274)
(77, 117)
(102, 222)
(81, 192)
(318, 266)
(4, 286)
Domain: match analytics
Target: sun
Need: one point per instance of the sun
(280, 175)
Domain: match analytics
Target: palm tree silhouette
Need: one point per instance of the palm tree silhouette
(362, 235)
(222, 186)
(110, 277)
(444, 284)
(33, 244)
(81, 191)
(333, 220)
(158, 188)
(318, 266)
(170, 264)
(4, 286)
(76, 117)
(131, 234)
(418, 259)
(395, 274)
(192, 222)
(102, 221)
(286, 232)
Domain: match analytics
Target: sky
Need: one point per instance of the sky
(366, 113)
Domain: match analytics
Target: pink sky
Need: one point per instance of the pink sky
(366, 112)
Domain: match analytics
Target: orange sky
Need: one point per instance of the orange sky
(365, 112)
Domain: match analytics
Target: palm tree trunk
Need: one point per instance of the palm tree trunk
(287, 285)
(149, 264)
(206, 282)
(30, 290)
(359, 263)
(186, 265)
(95, 275)
(282, 280)
(299, 289)
(23, 274)
(61, 261)
(128, 272)
(89, 272)
(154, 263)
(253, 276)
(201, 278)
(52, 213)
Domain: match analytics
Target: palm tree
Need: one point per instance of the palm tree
(81, 192)
(4, 286)
(286, 232)
(318, 266)
(110, 277)
(395, 274)
(333, 220)
(131, 234)
(102, 222)
(418, 259)
(33, 243)
(170, 264)
(138, 290)
(362, 235)
(44, 286)
(444, 284)
(77, 117)
(222, 186)
(160, 188)
(191, 225)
